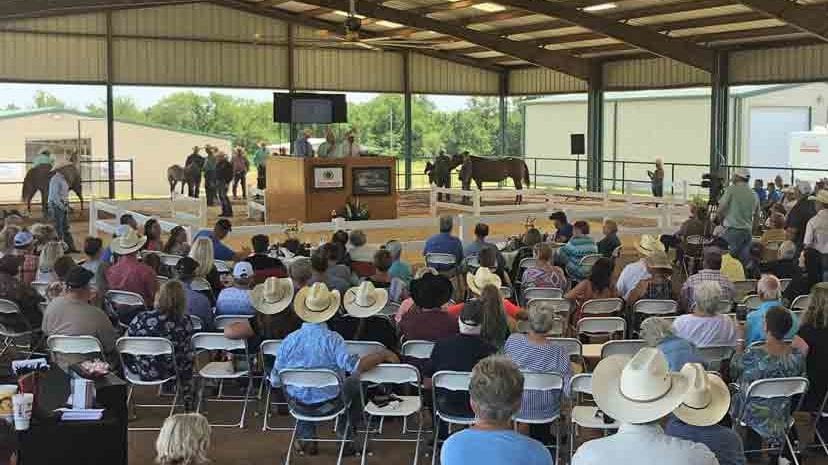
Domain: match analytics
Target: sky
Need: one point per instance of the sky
(22, 95)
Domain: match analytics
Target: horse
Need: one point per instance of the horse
(439, 172)
(480, 170)
(186, 176)
(37, 180)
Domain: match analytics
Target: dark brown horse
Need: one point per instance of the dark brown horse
(480, 170)
(186, 176)
(37, 180)
(439, 172)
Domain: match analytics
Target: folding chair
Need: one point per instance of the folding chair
(270, 349)
(818, 416)
(161, 279)
(570, 345)
(125, 304)
(315, 379)
(562, 308)
(601, 326)
(622, 347)
(223, 267)
(784, 283)
(669, 319)
(221, 371)
(200, 284)
(471, 263)
(617, 252)
(73, 345)
(417, 349)
(397, 374)
(198, 325)
(15, 327)
(744, 288)
(40, 287)
(612, 306)
(451, 381)
(801, 302)
(390, 309)
(147, 347)
(543, 382)
(169, 260)
(646, 308)
(223, 321)
(586, 263)
(584, 416)
(445, 261)
(361, 348)
(528, 262)
(752, 302)
(713, 356)
(774, 388)
(506, 292)
(541, 293)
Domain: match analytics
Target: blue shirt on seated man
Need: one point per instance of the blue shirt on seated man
(219, 232)
(445, 243)
(578, 247)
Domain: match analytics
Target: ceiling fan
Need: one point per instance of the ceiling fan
(351, 37)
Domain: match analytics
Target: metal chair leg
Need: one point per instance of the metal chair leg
(345, 438)
(290, 444)
(365, 441)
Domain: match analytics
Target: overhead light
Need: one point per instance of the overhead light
(345, 13)
(489, 7)
(388, 24)
(601, 7)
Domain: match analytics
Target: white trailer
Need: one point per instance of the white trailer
(809, 150)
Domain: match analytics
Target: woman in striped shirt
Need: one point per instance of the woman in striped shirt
(532, 352)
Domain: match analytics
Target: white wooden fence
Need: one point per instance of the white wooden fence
(178, 206)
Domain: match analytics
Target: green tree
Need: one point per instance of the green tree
(124, 108)
(44, 99)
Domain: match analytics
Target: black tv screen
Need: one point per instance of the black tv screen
(305, 108)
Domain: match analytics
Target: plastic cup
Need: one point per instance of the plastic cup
(22, 404)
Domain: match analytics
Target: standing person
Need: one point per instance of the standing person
(58, 207)
(737, 206)
(224, 176)
(210, 175)
(349, 147)
(774, 194)
(761, 193)
(657, 178)
(329, 148)
(240, 167)
(260, 160)
(193, 166)
(302, 147)
(816, 230)
(801, 211)
(44, 157)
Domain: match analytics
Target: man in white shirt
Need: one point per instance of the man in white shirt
(636, 271)
(638, 392)
(816, 230)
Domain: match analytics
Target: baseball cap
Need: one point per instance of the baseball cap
(186, 266)
(243, 270)
(23, 238)
(78, 277)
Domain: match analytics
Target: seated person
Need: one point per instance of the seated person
(785, 265)
(563, 230)
(408, 303)
(319, 264)
(399, 269)
(659, 286)
(637, 270)
(235, 300)
(658, 333)
(382, 263)
(358, 249)
(732, 268)
(528, 243)
(476, 282)
(92, 248)
(445, 243)
(264, 266)
(481, 231)
(578, 247)
(24, 247)
(775, 234)
(361, 320)
(20, 293)
(152, 260)
(62, 267)
(202, 253)
(168, 320)
(692, 226)
(222, 228)
(428, 320)
(597, 286)
(336, 263)
(152, 231)
(545, 273)
(198, 304)
(495, 390)
(706, 326)
(812, 341)
(128, 274)
(313, 345)
(275, 318)
(770, 294)
(711, 271)
(804, 282)
(488, 257)
(177, 242)
(774, 359)
(610, 242)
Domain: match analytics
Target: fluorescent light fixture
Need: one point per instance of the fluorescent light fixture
(601, 7)
(489, 7)
(345, 13)
(388, 24)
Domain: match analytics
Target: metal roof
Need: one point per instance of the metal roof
(662, 94)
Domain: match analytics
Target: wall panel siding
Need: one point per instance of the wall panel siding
(35, 57)
(434, 76)
(652, 73)
(348, 70)
(789, 64)
(537, 81)
(93, 23)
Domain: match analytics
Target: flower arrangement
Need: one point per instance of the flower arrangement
(353, 210)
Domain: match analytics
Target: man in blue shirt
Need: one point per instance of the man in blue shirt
(770, 293)
(58, 207)
(578, 247)
(219, 232)
(302, 146)
(445, 243)
(759, 188)
(563, 230)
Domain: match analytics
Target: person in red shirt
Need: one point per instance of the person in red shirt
(427, 320)
(128, 274)
(478, 281)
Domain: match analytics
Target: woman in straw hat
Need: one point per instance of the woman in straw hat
(361, 320)
(274, 318)
(476, 282)
(638, 392)
(313, 345)
(698, 418)
(659, 285)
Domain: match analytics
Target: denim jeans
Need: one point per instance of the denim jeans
(59, 214)
(350, 395)
(738, 242)
(260, 177)
(240, 177)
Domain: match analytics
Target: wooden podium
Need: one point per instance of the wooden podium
(309, 189)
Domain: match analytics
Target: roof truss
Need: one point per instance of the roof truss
(811, 19)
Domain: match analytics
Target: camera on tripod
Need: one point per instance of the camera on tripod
(715, 182)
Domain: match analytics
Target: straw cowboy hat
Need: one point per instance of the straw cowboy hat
(316, 304)
(128, 243)
(707, 400)
(482, 278)
(821, 197)
(659, 260)
(272, 296)
(743, 173)
(640, 389)
(648, 244)
(364, 300)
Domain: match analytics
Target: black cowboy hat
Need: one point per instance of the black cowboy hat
(431, 291)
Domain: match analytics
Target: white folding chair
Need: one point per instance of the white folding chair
(390, 309)
(602, 326)
(396, 374)
(200, 284)
(223, 267)
(455, 381)
(506, 292)
(40, 287)
(571, 346)
(223, 321)
(744, 289)
(362, 348)
(542, 293)
(612, 306)
(223, 371)
(562, 308)
(622, 347)
(147, 347)
(801, 302)
(15, 327)
(752, 302)
(617, 252)
(646, 308)
(586, 263)
(267, 350)
(817, 418)
(713, 356)
(584, 416)
(198, 325)
(670, 319)
(543, 382)
(442, 261)
(169, 260)
(73, 345)
(775, 388)
(315, 379)
(784, 283)
(125, 298)
(417, 349)
(161, 279)
(528, 262)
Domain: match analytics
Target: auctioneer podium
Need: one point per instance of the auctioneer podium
(310, 189)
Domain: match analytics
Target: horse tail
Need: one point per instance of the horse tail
(526, 174)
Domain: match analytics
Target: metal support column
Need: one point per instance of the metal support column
(595, 129)
(110, 108)
(503, 107)
(408, 131)
(291, 76)
(718, 114)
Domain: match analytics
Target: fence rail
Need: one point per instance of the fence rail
(93, 173)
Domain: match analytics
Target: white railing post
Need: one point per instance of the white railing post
(463, 230)
(476, 202)
(202, 211)
(93, 218)
(606, 198)
(432, 202)
(684, 190)
(339, 224)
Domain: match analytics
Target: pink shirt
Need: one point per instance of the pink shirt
(130, 275)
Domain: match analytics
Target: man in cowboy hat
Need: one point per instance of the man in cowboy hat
(802, 210)
(194, 165)
(427, 320)
(58, 206)
(638, 392)
(711, 271)
(362, 304)
(737, 208)
(313, 345)
(128, 274)
(697, 418)
(636, 271)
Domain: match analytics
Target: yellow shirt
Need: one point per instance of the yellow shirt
(732, 269)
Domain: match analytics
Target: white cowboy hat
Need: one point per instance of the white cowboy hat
(272, 296)
(482, 278)
(128, 243)
(708, 399)
(60, 163)
(821, 197)
(316, 304)
(648, 244)
(640, 389)
(364, 301)
(743, 173)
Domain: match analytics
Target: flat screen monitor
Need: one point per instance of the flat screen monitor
(305, 108)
